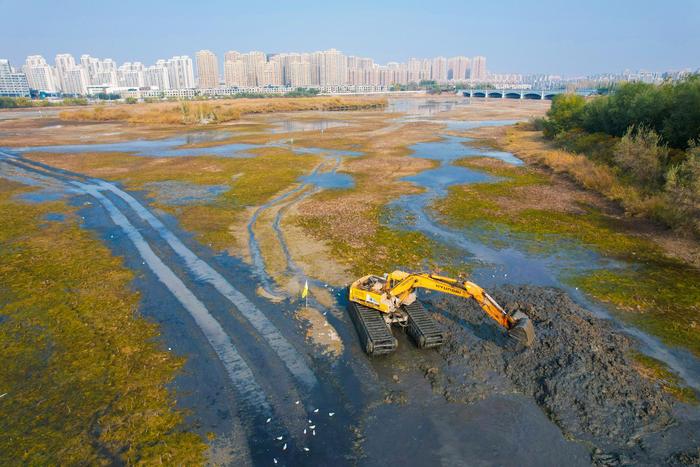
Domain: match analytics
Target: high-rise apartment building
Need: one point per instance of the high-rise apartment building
(235, 73)
(12, 83)
(75, 81)
(131, 75)
(299, 74)
(458, 68)
(271, 75)
(207, 69)
(332, 68)
(64, 62)
(156, 76)
(439, 69)
(254, 67)
(234, 69)
(180, 72)
(40, 75)
(99, 72)
(478, 69)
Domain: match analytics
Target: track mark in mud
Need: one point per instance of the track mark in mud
(292, 359)
(240, 374)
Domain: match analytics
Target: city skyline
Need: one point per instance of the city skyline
(570, 39)
(90, 75)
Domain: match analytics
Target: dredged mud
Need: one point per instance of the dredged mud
(579, 372)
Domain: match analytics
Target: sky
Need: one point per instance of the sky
(571, 38)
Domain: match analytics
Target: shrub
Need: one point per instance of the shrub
(642, 157)
(683, 191)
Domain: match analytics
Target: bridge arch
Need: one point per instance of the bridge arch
(532, 95)
(479, 94)
(549, 97)
(513, 95)
(497, 94)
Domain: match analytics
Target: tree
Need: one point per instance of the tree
(566, 113)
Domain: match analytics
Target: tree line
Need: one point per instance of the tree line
(649, 135)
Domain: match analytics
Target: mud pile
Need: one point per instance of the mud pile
(578, 371)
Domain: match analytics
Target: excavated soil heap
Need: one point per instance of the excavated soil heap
(578, 371)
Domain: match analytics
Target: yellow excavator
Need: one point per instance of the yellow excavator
(377, 302)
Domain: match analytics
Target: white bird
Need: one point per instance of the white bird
(330, 414)
(268, 420)
(313, 432)
(274, 460)
(279, 438)
(297, 402)
(316, 411)
(312, 426)
(284, 448)
(306, 449)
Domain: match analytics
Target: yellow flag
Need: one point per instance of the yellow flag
(305, 292)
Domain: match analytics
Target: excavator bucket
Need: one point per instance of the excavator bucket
(523, 331)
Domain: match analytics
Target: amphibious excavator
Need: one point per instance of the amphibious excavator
(378, 302)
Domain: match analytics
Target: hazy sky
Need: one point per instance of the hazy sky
(568, 37)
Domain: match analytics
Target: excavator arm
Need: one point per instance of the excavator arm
(402, 286)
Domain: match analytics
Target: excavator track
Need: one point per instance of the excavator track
(423, 329)
(375, 334)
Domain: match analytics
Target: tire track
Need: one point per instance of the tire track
(292, 359)
(238, 370)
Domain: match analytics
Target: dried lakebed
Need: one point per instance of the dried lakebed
(571, 399)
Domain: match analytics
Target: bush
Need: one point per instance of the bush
(565, 114)
(597, 146)
(683, 191)
(642, 157)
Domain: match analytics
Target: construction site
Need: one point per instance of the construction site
(347, 280)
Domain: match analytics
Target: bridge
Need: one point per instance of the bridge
(536, 94)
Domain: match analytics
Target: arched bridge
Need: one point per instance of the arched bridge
(536, 94)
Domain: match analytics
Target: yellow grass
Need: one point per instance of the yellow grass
(215, 111)
(530, 146)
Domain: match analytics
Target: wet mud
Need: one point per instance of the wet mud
(579, 372)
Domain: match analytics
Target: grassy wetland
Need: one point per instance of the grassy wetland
(288, 192)
(84, 378)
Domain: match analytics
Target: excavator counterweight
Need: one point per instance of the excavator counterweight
(378, 302)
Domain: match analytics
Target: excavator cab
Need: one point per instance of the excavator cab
(378, 302)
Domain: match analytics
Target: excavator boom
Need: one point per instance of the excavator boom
(392, 295)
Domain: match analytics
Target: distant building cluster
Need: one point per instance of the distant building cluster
(328, 70)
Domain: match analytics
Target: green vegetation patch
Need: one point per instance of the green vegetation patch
(384, 248)
(655, 292)
(83, 377)
(656, 370)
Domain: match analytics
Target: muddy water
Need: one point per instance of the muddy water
(291, 126)
(248, 359)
